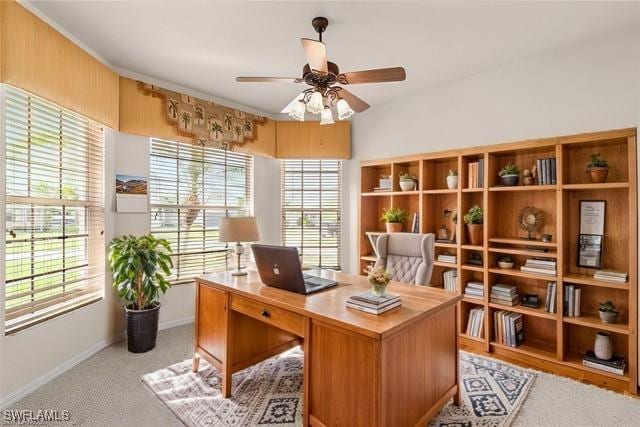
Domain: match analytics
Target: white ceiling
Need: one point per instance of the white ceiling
(204, 45)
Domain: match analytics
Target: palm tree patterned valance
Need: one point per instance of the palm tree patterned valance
(209, 124)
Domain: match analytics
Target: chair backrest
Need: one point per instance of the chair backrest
(408, 257)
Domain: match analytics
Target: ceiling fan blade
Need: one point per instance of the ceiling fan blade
(269, 80)
(316, 53)
(379, 75)
(290, 105)
(357, 104)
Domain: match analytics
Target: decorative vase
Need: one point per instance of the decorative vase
(602, 348)
(608, 316)
(407, 185)
(475, 234)
(452, 182)
(598, 175)
(378, 289)
(394, 227)
(509, 180)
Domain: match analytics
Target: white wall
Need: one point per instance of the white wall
(34, 356)
(581, 88)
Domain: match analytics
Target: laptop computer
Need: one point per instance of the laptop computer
(279, 267)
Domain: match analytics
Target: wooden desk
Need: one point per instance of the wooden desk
(396, 369)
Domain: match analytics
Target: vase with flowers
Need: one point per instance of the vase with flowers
(378, 278)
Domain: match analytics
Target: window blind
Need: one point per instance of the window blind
(311, 197)
(191, 188)
(54, 210)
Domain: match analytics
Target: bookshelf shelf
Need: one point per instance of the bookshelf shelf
(524, 252)
(601, 186)
(553, 342)
(525, 188)
(523, 242)
(514, 272)
(537, 312)
(584, 279)
(593, 321)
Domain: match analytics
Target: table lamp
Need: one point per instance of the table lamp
(239, 229)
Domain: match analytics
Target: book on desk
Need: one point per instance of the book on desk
(370, 303)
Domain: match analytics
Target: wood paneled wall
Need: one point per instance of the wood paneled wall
(310, 140)
(40, 60)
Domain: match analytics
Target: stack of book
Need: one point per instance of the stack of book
(474, 290)
(572, 301)
(381, 189)
(370, 303)
(504, 294)
(540, 265)
(450, 278)
(415, 224)
(476, 174)
(448, 258)
(550, 302)
(508, 328)
(615, 365)
(611, 276)
(546, 171)
(475, 325)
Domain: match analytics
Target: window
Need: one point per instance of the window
(191, 187)
(54, 210)
(311, 210)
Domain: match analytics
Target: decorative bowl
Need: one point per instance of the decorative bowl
(608, 316)
(407, 185)
(509, 180)
(505, 265)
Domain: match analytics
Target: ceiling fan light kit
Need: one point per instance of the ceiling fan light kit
(324, 76)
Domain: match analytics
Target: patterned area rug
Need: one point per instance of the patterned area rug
(270, 393)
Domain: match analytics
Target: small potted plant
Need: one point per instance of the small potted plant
(140, 266)
(505, 261)
(378, 278)
(452, 179)
(394, 218)
(598, 168)
(407, 181)
(473, 218)
(608, 312)
(509, 175)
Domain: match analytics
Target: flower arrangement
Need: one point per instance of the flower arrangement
(378, 278)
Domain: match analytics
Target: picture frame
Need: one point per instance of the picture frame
(592, 217)
(590, 250)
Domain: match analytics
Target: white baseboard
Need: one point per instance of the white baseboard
(173, 323)
(27, 389)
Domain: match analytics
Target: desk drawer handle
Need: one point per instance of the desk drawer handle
(265, 313)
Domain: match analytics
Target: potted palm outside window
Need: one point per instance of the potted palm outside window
(140, 266)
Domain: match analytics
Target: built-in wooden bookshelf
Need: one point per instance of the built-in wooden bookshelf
(553, 342)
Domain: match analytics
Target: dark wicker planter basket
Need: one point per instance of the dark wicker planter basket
(142, 329)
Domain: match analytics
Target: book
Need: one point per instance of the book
(539, 169)
(372, 310)
(372, 306)
(576, 304)
(614, 365)
(450, 278)
(550, 301)
(370, 298)
(537, 270)
(553, 171)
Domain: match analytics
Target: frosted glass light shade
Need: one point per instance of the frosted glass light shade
(326, 117)
(297, 112)
(344, 110)
(316, 103)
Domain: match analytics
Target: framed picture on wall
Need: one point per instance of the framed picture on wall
(590, 250)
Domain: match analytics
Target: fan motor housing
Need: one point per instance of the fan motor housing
(314, 79)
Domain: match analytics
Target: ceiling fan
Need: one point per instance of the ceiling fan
(324, 76)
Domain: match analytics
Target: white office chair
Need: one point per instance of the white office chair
(408, 257)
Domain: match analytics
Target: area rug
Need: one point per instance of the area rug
(270, 393)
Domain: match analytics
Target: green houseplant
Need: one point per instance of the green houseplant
(509, 175)
(407, 181)
(394, 218)
(452, 179)
(474, 218)
(608, 312)
(598, 168)
(139, 266)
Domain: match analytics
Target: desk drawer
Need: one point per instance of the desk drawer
(278, 317)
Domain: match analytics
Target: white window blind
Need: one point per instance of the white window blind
(311, 210)
(191, 188)
(54, 210)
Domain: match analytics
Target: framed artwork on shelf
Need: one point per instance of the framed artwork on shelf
(592, 217)
(590, 250)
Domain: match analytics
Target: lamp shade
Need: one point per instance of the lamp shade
(239, 229)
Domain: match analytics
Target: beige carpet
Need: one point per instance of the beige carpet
(106, 390)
